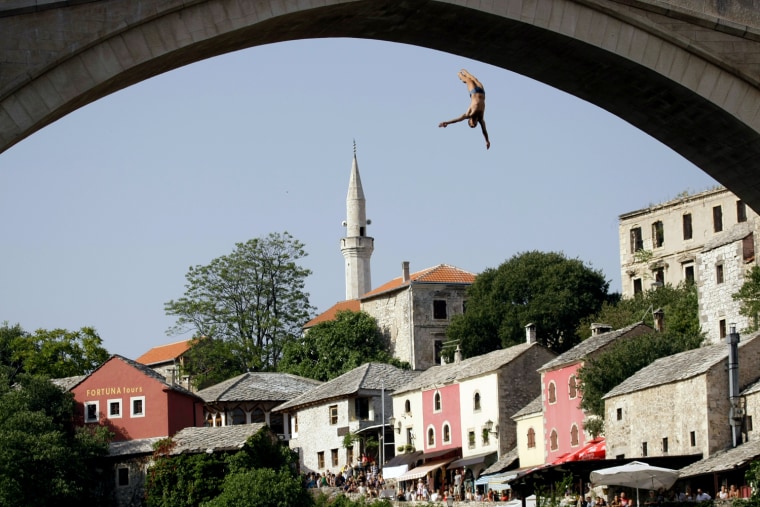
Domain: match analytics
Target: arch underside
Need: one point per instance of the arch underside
(712, 138)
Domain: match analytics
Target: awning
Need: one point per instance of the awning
(437, 454)
(422, 470)
(595, 449)
(409, 458)
(394, 472)
(471, 460)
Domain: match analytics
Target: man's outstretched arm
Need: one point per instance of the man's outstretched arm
(455, 120)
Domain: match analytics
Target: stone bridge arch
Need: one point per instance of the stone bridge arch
(689, 78)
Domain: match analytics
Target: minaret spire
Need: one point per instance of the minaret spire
(356, 247)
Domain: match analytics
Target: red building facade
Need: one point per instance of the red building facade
(563, 417)
(441, 420)
(135, 402)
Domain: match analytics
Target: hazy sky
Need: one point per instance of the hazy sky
(104, 211)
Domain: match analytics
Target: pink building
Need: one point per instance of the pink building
(441, 419)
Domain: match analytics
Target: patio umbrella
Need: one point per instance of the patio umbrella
(636, 475)
(596, 449)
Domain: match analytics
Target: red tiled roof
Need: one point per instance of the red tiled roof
(442, 273)
(329, 314)
(164, 353)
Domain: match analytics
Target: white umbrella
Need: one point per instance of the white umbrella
(636, 475)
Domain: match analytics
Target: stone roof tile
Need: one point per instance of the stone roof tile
(258, 386)
(195, 440)
(723, 461)
(533, 407)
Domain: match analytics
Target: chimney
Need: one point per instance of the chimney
(457, 355)
(405, 271)
(736, 412)
(530, 333)
(659, 320)
(597, 329)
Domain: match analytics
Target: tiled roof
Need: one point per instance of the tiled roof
(681, 366)
(369, 376)
(129, 447)
(165, 353)
(196, 440)
(68, 383)
(723, 461)
(737, 232)
(148, 372)
(471, 367)
(442, 273)
(533, 407)
(592, 344)
(258, 386)
(502, 463)
(352, 305)
(752, 388)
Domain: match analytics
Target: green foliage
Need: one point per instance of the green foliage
(323, 500)
(44, 458)
(185, 480)
(552, 496)
(752, 476)
(262, 487)
(253, 299)
(263, 450)
(55, 354)
(749, 297)
(594, 426)
(335, 347)
(546, 289)
(679, 304)
(601, 373)
(212, 360)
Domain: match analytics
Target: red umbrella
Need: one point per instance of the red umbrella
(596, 449)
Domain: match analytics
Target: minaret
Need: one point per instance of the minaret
(356, 247)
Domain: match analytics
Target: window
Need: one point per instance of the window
(531, 438)
(258, 416)
(659, 275)
(409, 436)
(431, 437)
(717, 219)
(407, 407)
(637, 286)
(471, 439)
(665, 444)
(114, 409)
(619, 414)
(333, 409)
(438, 351)
(361, 408)
(722, 328)
(321, 459)
(693, 438)
(658, 234)
(437, 402)
(741, 212)
(687, 231)
(439, 309)
(748, 247)
(485, 436)
(238, 416)
(446, 434)
(552, 392)
(748, 422)
(476, 402)
(553, 441)
(91, 412)
(334, 456)
(688, 273)
(574, 436)
(719, 273)
(138, 406)
(644, 449)
(295, 423)
(349, 454)
(122, 476)
(637, 243)
(572, 387)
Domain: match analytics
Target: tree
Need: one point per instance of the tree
(262, 487)
(749, 297)
(44, 458)
(335, 347)
(212, 360)
(546, 289)
(253, 299)
(55, 354)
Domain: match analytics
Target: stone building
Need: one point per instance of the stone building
(357, 402)
(563, 416)
(167, 360)
(678, 405)
(707, 238)
(249, 399)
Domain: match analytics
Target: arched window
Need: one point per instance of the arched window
(258, 416)
(209, 420)
(437, 402)
(476, 402)
(572, 387)
(431, 437)
(574, 436)
(531, 438)
(553, 441)
(218, 420)
(407, 406)
(552, 392)
(238, 416)
(446, 434)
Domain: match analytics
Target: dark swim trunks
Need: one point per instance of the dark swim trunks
(477, 89)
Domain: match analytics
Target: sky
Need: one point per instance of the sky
(103, 212)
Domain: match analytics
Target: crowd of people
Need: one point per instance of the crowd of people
(364, 479)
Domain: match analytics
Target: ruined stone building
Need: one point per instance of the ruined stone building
(706, 238)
